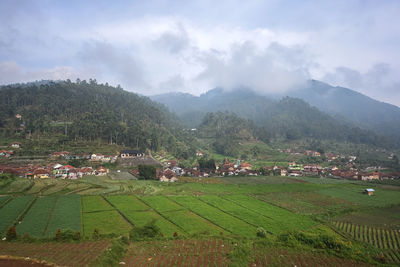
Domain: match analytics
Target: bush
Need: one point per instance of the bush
(261, 232)
(11, 233)
(96, 234)
(150, 230)
(66, 235)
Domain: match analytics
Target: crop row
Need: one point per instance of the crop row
(280, 219)
(283, 257)
(48, 214)
(218, 217)
(381, 238)
(10, 212)
(392, 256)
(188, 221)
(178, 253)
(62, 254)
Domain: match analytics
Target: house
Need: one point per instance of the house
(168, 176)
(245, 166)
(199, 154)
(18, 116)
(369, 191)
(96, 157)
(283, 172)
(131, 154)
(101, 171)
(60, 154)
(6, 153)
(16, 145)
(41, 174)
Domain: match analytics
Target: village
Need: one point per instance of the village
(171, 170)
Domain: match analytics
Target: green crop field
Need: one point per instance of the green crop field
(107, 222)
(354, 193)
(35, 220)
(139, 214)
(128, 202)
(280, 219)
(216, 216)
(66, 215)
(3, 199)
(95, 203)
(180, 216)
(10, 212)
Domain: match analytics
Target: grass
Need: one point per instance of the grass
(35, 220)
(12, 210)
(66, 215)
(216, 216)
(354, 193)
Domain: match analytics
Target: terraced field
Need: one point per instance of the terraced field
(10, 212)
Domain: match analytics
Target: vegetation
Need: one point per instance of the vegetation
(147, 172)
(68, 111)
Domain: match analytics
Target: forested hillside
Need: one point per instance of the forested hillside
(227, 130)
(88, 111)
(288, 118)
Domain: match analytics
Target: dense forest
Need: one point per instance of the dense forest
(288, 118)
(89, 111)
(227, 129)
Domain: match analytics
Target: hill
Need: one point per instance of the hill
(362, 110)
(85, 111)
(288, 118)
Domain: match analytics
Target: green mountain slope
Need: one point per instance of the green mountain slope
(289, 118)
(88, 112)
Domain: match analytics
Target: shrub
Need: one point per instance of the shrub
(175, 234)
(96, 234)
(150, 230)
(77, 236)
(261, 232)
(11, 233)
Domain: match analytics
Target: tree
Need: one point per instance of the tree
(147, 172)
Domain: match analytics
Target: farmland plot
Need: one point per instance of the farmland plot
(281, 219)
(3, 200)
(178, 253)
(139, 214)
(107, 222)
(62, 254)
(379, 237)
(355, 194)
(99, 214)
(284, 257)
(66, 215)
(10, 212)
(35, 220)
(181, 216)
(216, 216)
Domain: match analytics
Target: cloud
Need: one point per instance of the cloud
(108, 62)
(11, 72)
(379, 81)
(276, 68)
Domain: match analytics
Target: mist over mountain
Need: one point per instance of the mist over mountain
(291, 117)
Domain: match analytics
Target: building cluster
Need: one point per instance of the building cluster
(52, 170)
(96, 158)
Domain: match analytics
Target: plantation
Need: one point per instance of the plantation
(36, 219)
(216, 216)
(10, 212)
(66, 215)
(214, 222)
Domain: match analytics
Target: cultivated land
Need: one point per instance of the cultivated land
(205, 222)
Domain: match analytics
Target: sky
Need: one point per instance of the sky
(157, 46)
